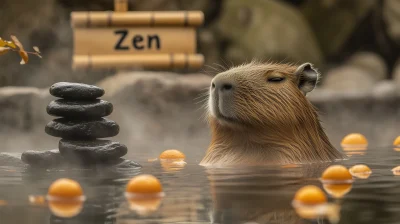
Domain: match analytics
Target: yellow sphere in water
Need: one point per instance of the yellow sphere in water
(172, 154)
(354, 139)
(65, 188)
(337, 173)
(310, 195)
(337, 190)
(172, 165)
(396, 171)
(361, 171)
(65, 209)
(396, 142)
(144, 206)
(37, 200)
(144, 184)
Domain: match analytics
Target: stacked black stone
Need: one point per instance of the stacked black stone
(81, 125)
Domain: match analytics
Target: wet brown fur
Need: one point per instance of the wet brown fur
(274, 123)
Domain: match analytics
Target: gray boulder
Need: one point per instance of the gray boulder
(385, 89)
(349, 79)
(391, 16)
(396, 74)
(334, 21)
(19, 107)
(209, 46)
(11, 159)
(266, 30)
(371, 63)
(43, 159)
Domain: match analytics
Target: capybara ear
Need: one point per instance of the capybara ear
(307, 77)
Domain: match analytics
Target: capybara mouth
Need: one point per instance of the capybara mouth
(216, 111)
(219, 116)
(225, 119)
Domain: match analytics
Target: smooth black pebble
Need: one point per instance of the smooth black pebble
(76, 91)
(50, 158)
(79, 109)
(81, 129)
(91, 151)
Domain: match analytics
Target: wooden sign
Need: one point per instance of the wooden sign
(124, 39)
(141, 40)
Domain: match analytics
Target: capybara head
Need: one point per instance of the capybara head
(261, 94)
(259, 114)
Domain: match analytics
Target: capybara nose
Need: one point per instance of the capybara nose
(222, 86)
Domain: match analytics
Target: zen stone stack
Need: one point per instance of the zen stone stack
(82, 126)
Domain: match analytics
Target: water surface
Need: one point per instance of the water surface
(198, 195)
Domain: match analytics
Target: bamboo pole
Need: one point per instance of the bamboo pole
(154, 61)
(128, 19)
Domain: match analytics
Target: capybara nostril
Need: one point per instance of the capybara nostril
(222, 85)
(226, 87)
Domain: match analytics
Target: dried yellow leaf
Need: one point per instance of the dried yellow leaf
(11, 44)
(4, 43)
(24, 57)
(36, 49)
(16, 42)
(4, 50)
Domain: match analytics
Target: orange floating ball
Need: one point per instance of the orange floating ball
(37, 200)
(172, 154)
(396, 142)
(354, 139)
(337, 173)
(144, 206)
(325, 211)
(310, 195)
(354, 151)
(144, 184)
(361, 171)
(65, 188)
(65, 209)
(337, 190)
(172, 165)
(396, 171)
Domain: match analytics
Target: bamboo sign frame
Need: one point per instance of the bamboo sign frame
(126, 39)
